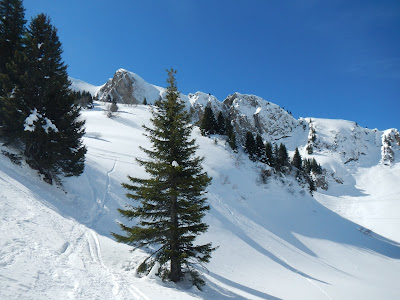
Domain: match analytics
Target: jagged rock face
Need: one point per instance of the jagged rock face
(254, 114)
(128, 88)
(251, 113)
(199, 100)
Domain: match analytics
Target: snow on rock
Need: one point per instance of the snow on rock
(254, 114)
(390, 146)
(130, 88)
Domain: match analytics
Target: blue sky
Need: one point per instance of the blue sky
(328, 59)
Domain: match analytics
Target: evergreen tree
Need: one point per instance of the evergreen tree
(48, 120)
(282, 158)
(221, 128)
(208, 123)
(144, 101)
(275, 154)
(250, 146)
(171, 202)
(12, 22)
(269, 154)
(12, 28)
(296, 162)
(231, 134)
(315, 167)
(260, 148)
(307, 166)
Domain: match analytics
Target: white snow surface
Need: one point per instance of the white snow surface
(275, 240)
(79, 85)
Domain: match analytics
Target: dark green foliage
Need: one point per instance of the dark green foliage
(42, 92)
(171, 202)
(260, 148)
(231, 134)
(83, 99)
(311, 184)
(144, 101)
(281, 158)
(309, 149)
(311, 166)
(250, 146)
(269, 156)
(221, 128)
(12, 22)
(315, 167)
(208, 124)
(11, 31)
(296, 162)
(307, 166)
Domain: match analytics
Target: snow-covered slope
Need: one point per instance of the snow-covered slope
(275, 240)
(79, 85)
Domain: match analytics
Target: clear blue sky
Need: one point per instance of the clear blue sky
(330, 59)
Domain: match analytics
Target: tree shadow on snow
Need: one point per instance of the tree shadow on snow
(240, 233)
(220, 294)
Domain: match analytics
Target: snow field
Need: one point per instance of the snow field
(275, 241)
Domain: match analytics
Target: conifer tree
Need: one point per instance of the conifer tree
(12, 28)
(48, 121)
(12, 22)
(208, 123)
(221, 128)
(171, 201)
(281, 158)
(315, 167)
(307, 165)
(260, 148)
(269, 154)
(296, 162)
(231, 134)
(275, 154)
(250, 146)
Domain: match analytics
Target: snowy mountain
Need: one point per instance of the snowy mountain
(276, 241)
(79, 85)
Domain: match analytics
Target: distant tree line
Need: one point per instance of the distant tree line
(84, 99)
(275, 156)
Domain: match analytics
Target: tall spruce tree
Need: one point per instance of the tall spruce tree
(250, 146)
(297, 161)
(12, 22)
(221, 127)
(283, 157)
(260, 153)
(48, 121)
(171, 202)
(230, 132)
(12, 27)
(269, 156)
(208, 123)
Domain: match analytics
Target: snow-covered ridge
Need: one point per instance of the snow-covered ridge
(273, 123)
(79, 85)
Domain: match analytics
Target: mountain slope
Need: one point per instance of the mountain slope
(276, 241)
